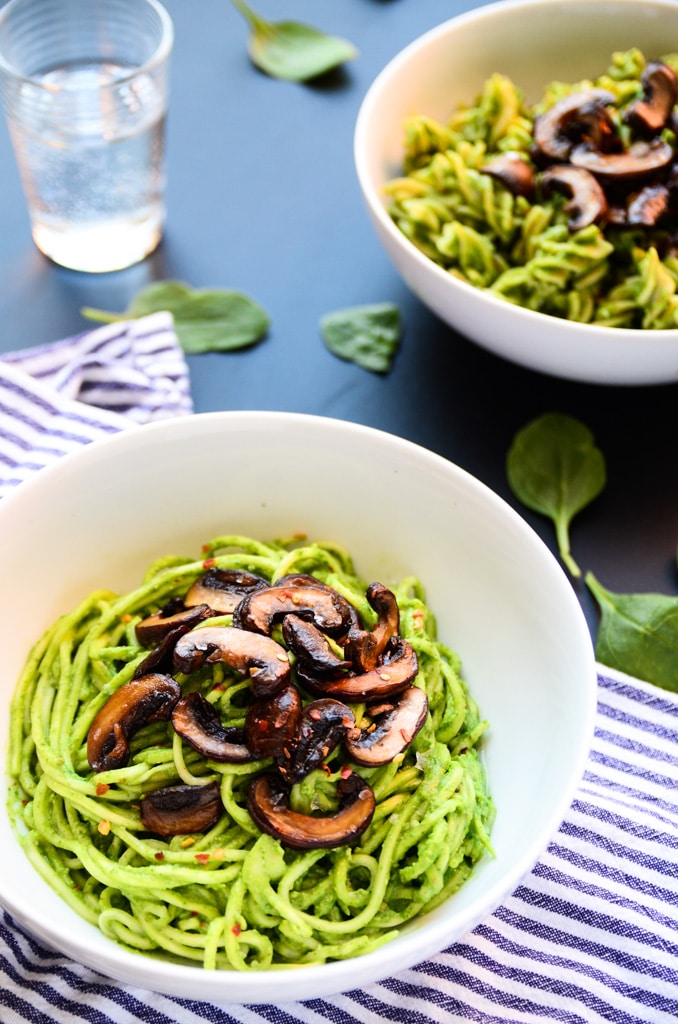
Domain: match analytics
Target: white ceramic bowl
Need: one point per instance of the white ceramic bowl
(533, 42)
(97, 519)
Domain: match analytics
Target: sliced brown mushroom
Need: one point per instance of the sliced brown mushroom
(311, 645)
(174, 616)
(197, 722)
(268, 806)
(580, 117)
(272, 724)
(324, 606)
(365, 647)
(136, 703)
(649, 114)
(323, 725)
(394, 728)
(179, 810)
(648, 206)
(223, 589)
(395, 672)
(640, 159)
(514, 172)
(265, 662)
(587, 203)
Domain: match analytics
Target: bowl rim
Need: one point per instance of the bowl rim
(338, 976)
(377, 206)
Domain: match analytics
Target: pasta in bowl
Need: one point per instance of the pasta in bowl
(512, 174)
(313, 860)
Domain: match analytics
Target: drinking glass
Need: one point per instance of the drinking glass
(84, 88)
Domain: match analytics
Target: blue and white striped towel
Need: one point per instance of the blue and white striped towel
(589, 937)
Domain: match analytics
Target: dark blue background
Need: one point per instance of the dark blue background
(263, 198)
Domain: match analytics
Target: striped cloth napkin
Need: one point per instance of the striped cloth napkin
(589, 937)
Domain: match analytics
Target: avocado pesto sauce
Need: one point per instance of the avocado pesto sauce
(284, 776)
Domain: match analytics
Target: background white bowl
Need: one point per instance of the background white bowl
(97, 518)
(533, 42)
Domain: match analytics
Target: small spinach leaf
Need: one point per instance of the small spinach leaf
(205, 319)
(367, 335)
(638, 634)
(292, 50)
(554, 467)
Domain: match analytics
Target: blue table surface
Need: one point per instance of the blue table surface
(263, 198)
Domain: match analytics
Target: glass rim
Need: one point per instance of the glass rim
(159, 55)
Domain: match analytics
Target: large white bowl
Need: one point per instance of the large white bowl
(533, 42)
(97, 518)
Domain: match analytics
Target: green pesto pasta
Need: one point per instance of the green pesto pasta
(520, 249)
(234, 897)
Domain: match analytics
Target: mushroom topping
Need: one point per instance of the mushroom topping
(223, 589)
(395, 672)
(311, 646)
(325, 607)
(272, 724)
(514, 172)
(197, 722)
(587, 203)
(639, 159)
(324, 724)
(648, 206)
(267, 804)
(173, 617)
(178, 810)
(649, 114)
(580, 117)
(363, 647)
(259, 657)
(393, 729)
(147, 699)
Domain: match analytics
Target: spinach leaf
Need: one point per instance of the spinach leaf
(638, 634)
(292, 50)
(205, 319)
(367, 335)
(554, 467)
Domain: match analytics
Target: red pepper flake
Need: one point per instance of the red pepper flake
(208, 563)
(346, 772)
(326, 768)
(218, 688)
(159, 855)
(202, 857)
(126, 617)
(102, 787)
(205, 547)
(236, 929)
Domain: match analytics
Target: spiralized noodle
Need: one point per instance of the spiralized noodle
(235, 897)
(522, 251)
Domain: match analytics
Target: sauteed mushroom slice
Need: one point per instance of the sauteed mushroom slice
(396, 726)
(173, 617)
(649, 114)
(396, 671)
(272, 724)
(648, 206)
(138, 702)
(580, 117)
(639, 160)
(323, 725)
(325, 607)
(223, 589)
(365, 647)
(264, 661)
(197, 722)
(178, 810)
(587, 203)
(267, 804)
(311, 646)
(514, 172)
